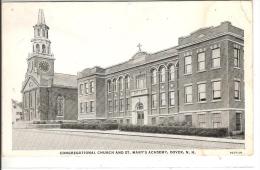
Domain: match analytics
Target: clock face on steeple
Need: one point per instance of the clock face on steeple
(44, 66)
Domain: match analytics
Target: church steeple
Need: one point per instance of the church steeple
(41, 19)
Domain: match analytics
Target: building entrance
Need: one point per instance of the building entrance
(140, 113)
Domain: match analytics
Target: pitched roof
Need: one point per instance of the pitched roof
(65, 80)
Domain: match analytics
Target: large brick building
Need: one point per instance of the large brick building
(47, 95)
(200, 81)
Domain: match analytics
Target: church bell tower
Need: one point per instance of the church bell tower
(40, 61)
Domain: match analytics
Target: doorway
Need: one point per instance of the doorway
(140, 113)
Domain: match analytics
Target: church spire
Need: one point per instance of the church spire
(41, 19)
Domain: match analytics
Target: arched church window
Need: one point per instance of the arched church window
(114, 85)
(38, 32)
(60, 106)
(43, 48)
(43, 33)
(109, 86)
(120, 81)
(37, 48)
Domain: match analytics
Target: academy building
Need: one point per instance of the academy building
(200, 81)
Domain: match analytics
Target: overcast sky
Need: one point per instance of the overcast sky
(103, 34)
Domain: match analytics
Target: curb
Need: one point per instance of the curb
(168, 136)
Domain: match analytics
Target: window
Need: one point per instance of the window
(201, 92)
(127, 104)
(91, 106)
(187, 65)
(120, 84)
(216, 120)
(37, 48)
(162, 100)
(81, 108)
(127, 121)
(109, 86)
(238, 121)
(237, 90)
(153, 100)
(216, 88)
(216, 58)
(86, 88)
(115, 105)
(162, 75)
(201, 61)
(38, 32)
(139, 106)
(127, 82)
(202, 120)
(43, 49)
(154, 76)
(110, 106)
(171, 73)
(188, 94)
(86, 107)
(171, 98)
(140, 81)
(114, 85)
(236, 57)
(121, 105)
(43, 33)
(153, 121)
(91, 87)
(30, 99)
(60, 106)
(188, 119)
(81, 89)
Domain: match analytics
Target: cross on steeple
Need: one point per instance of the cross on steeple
(139, 47)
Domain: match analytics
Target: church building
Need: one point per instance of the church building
(47, 95)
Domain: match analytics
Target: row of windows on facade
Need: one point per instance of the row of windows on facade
(86, 88)
(203, 119)
(30, 98)
(86, 107)
(216, 91)
(43, 49)
(140, 79)
(41, 32)
(201, 60)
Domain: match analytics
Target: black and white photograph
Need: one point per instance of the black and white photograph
(130, 78)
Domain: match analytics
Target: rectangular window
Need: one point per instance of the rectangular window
(140, 82)
(201, 61)
(216, 120)
(171, 98)
(188, 66)
(121, 105)
(86, 107)
(188, 94)
(216, 90)
(110, 106)
(188, 119)
(153, 121)
(127, 104)
(127, 121)
(86, 88)
(91, 106)
(238, 121)
(201, 92)
(115, 105)
(81, 108)
(237, 90)
(236, 57)
(202, 120)
(81, 89)
(153, 100)
(216, 58)
(91, 87)
(162, 100)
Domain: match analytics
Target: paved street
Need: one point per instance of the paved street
(36, 139)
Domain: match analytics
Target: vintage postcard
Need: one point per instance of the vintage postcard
(128, 78)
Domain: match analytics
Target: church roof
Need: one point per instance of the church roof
(41, 19)
(65, 80)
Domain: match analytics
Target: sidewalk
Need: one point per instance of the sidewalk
(156, 135)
